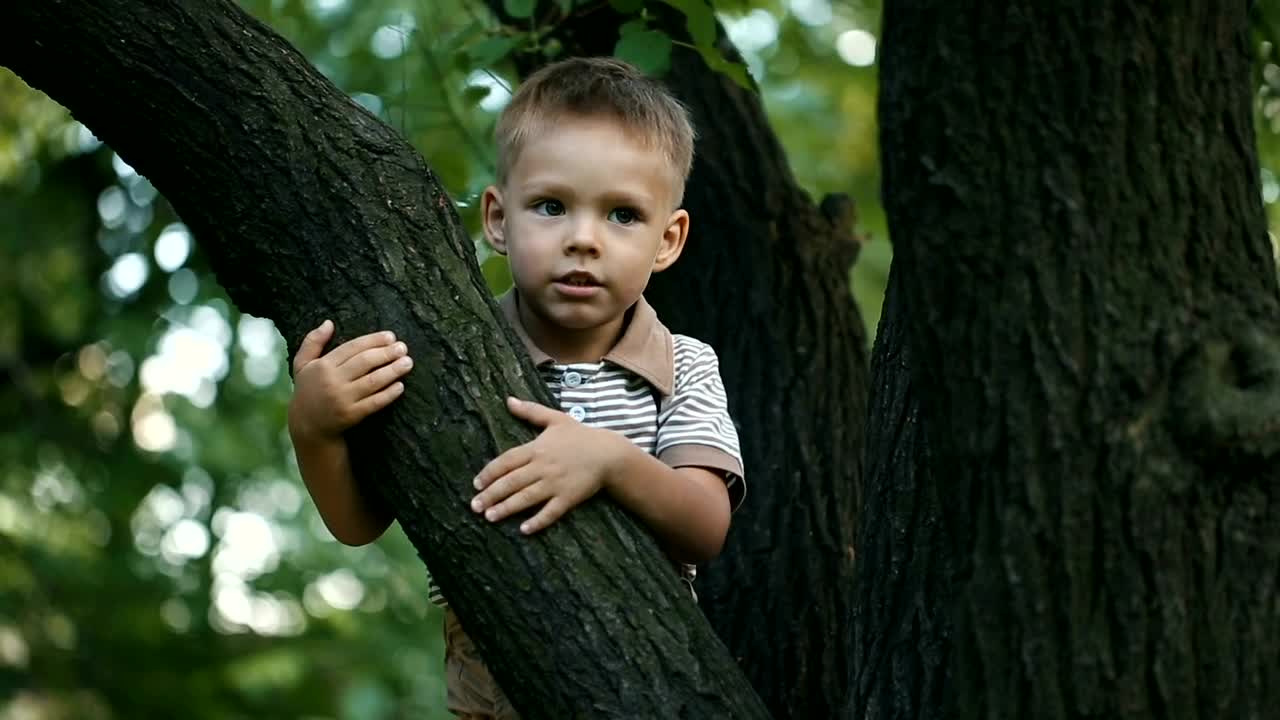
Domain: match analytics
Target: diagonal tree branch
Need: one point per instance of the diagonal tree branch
(309, 207)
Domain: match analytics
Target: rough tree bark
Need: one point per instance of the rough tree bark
(309, 207)
(765, 280)
(1082, 519)
(899, 621)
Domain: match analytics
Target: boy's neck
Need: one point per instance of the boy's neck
(566, 345)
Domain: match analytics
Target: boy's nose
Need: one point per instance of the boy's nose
(583, 238)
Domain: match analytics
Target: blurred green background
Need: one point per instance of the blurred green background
(158, 555)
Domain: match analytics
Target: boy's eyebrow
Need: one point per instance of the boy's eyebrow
(637, 196)
(623, 197)
(546, 187)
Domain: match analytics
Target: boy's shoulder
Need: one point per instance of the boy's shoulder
(689, 347)
(691, 357)
(667, 359)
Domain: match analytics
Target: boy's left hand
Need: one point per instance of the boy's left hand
(563, 467)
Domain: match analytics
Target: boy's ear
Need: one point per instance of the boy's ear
(494, 217)
(673, 238)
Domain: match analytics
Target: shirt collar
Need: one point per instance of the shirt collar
(645, 348)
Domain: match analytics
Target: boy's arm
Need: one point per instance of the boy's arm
(698, 439)
(333, 392)
(352, 516)
(687, 508)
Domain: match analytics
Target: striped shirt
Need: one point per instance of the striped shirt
(660, 390)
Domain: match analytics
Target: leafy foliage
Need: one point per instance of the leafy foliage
(649, 50)
(159, 551)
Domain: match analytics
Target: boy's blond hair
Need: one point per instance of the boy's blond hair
(593, 87)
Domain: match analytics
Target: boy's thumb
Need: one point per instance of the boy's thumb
(312, 344)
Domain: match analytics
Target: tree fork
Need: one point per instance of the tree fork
(309, 207)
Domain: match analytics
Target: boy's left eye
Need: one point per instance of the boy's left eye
(624, 216)
(549, 207)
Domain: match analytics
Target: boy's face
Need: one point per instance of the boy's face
(585, 216)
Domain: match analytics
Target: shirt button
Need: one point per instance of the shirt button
(572, 379)
(577, 413)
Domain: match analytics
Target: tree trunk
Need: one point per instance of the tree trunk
(1086, 302)
(901, 632)
(309, 207)
(765, 280)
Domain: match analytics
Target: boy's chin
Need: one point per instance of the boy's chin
(577, 316)
(579, 319)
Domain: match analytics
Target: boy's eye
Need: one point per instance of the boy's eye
(549, 207)
(624, 216)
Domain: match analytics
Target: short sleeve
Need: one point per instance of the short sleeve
(694, 426)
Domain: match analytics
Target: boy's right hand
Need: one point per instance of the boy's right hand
(334, 391)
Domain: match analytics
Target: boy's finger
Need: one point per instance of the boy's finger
(528, 497)
(375, 381)
(555, 509)
(505, 463)
(312, 345)
(532, 412)
(505, 487)
(351, 348)
(375, 357)
(379, 400)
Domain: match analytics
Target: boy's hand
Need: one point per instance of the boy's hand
(335, 391)
(564, 466)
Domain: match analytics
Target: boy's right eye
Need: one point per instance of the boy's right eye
(549, 207)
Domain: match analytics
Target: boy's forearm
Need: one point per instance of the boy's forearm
(686, 508)
(352, 516)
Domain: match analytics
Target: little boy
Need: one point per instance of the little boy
(592, 161)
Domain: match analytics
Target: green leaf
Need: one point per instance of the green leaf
(565, 5)
(700, 19)
(455, 41)
(519, 8)
(632, 26)
(491, 50)
(627, 7)
(497, 274)
(736, 72)
(475, 93)
(648, 50)
(552, 47)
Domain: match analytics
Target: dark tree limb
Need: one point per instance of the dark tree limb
(309, 207)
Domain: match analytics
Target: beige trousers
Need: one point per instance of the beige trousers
(472, 692)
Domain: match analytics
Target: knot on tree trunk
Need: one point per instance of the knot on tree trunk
(840, 212)
(1226, 399)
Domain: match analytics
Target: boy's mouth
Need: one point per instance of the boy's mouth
(579, 278)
